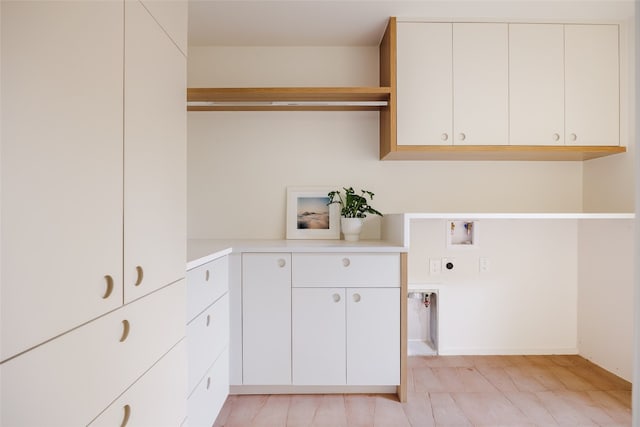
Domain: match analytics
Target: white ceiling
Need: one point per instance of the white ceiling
(359, 22)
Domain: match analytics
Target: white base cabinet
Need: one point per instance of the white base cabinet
(207, 341)
(320, 319)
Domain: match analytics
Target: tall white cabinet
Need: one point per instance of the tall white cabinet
(93, 222)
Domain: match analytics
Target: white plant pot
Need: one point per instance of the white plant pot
(351, 228)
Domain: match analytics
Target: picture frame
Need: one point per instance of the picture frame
(309, 216)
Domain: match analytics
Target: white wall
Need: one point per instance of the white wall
(525, 304)
(605, 294)
(240, 162)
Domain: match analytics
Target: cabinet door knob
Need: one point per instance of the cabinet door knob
(444, 137)
(281, 263)
(346, 262)
(573, 137)
(127, 414)
(126, 327)
(336, 297)
(207, 274)
(462, 137)
(109, 289)
(556, 137)
(140, 275)
(356, 297)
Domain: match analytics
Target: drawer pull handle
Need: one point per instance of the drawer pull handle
(207, 274)
(356, 297)
(125, 330)
(556, 137)
(346, 262)
(444, 137)
(281, 263)
(107, 293)
(573, 137)
(462, 137)
(336, 297)
(127, 414)
(208, 319)
(208, 383)
(140, 273)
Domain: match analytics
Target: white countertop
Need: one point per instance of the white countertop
(201, 251)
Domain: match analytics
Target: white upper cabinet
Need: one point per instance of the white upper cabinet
(536, 84)
(61, 167)
(155, 156)
(480, 84)
(452, 82)
(173, 17)
(424, 84)
(592, 87)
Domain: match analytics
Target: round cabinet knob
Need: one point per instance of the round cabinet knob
(573, 137)
(281, 263)
(356, 297)
(336, 297)
(346, 262)
(444, 137)
(462, 137)
(556, 137)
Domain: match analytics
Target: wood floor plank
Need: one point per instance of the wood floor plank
(331, 412)
(425, 380)
(620, 413)
(418, 410)
(562, 411)
(532, 407)
(584, 403)
(360, 410)
(302, 410)
(488, 409)
(244, 410)
(389, 413)
(521, 377)
(274, 412)
(498, 378)
(446, 412)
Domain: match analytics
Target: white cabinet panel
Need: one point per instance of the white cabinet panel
(155, 156)
(157, 399)
(480, 84)
(92, 364)
(536, 84)
(373, 336)
(207, 337)
(61, 169)
(592, 85)
(318, 336)
(424, 84)
(207, 399)
(206, 284)
(346, 269)
(266, 318)
(173, 17)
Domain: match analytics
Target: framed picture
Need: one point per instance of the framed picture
(309, 216)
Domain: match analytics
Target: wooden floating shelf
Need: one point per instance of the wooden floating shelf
(502, 152)
(289, 99)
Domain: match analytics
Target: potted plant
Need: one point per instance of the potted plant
(353, 209)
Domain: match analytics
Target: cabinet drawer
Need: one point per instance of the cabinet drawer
(92, 364)
(207, 399)
(207, 337)
(156, 399)
(205, 284)
(345, 269)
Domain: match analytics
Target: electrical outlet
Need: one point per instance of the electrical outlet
(483, 265)
(434, 266)
(448, 264)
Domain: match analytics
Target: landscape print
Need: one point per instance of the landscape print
(313, 213)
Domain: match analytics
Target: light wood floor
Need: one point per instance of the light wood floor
(458, 391)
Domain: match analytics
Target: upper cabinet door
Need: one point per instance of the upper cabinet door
(480, 84)
(173, 17)
(592, 85)
(536, 84)
(61, 167)
(424, 84)
(155, 156)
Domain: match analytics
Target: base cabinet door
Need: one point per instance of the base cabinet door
(207, 399)
(373, 336)
(318, 336)
(266, 318)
